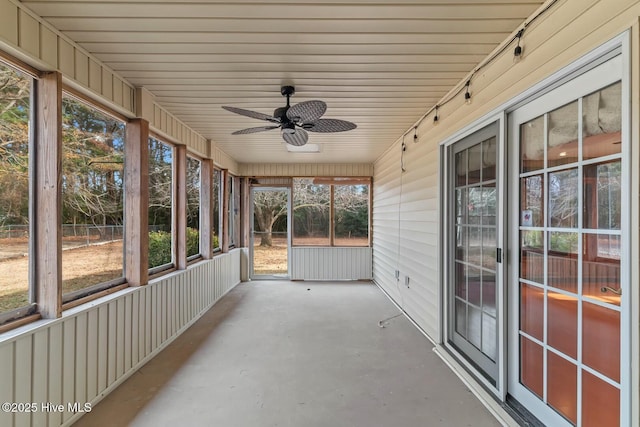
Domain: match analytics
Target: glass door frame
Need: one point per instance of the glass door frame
(494, 125)
(591, 78)
(252, 274)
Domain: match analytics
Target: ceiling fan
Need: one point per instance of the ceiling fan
(295, 120)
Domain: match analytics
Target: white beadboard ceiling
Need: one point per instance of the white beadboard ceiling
(379, 64)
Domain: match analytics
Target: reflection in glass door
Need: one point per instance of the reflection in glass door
(270, 242)
(568, 292)
(473, 324)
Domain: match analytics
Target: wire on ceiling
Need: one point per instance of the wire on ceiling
(518, 51)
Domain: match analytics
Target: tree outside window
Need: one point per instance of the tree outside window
(92, 198)
(15, 115)
(160, 204)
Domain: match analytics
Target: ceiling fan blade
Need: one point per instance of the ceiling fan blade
(299, 138)
(330, 125)
(252, 114)
(254, 130)
(307, 111)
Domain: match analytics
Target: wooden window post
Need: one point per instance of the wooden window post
(136, 215)
(206, 208)
(48, 195)
(246, 213)
(180, 209)
(225, 211)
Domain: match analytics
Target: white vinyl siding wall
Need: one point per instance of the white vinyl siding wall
(405, 230)
(565, 33)
(88, 352)
(571, 29)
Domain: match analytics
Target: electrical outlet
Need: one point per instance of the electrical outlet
(406, 281)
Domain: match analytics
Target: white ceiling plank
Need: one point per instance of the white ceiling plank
(286, 12)
(376, 63)
(286, 39)
(393, 26)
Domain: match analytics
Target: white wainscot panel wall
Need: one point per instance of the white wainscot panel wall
(331, 263)
(82, 356)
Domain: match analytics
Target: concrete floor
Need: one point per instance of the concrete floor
(295, 354)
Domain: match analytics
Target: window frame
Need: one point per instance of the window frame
(332, 182)
(162, 269)
(30, 310)
(233, 210)
(74, 298)
(197, 256)
(220, 199)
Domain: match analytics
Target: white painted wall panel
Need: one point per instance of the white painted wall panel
(42, 46)
(92, 355)
(91, 350)
(23, 377)
(7, 369)
(81, 358)
(324, 263)
(173, 130)
(68, 363)
(40, 371)
(9, 22)
(55, 353)
(112, 328)
(103, 342)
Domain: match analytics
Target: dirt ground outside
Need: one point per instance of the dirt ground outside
(85, 266)
(81, 267)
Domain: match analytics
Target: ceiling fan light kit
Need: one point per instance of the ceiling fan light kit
(294, 121)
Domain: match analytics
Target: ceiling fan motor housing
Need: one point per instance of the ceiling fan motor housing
(287, 90)
(288, 127)
(280, 113)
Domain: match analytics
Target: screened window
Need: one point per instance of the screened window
(331, 211)
(216, 201)
(15, 115)
(193, 207)
(351, 215)
(160, 205)
(234, 209)
(311, 213)
(92, 198)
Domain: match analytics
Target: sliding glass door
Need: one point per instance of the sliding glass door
(473, 214)
(567, 289)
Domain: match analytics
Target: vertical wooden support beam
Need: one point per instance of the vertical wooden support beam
(206, 208)
(332, 216)
(136, 215)
(245, 215)
(48, 195)
(180, 210)
(225, 210)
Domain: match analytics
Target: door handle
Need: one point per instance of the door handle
(604, 289)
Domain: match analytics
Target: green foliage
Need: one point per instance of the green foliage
(352, 223)
(193, 241)
(159, 248)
